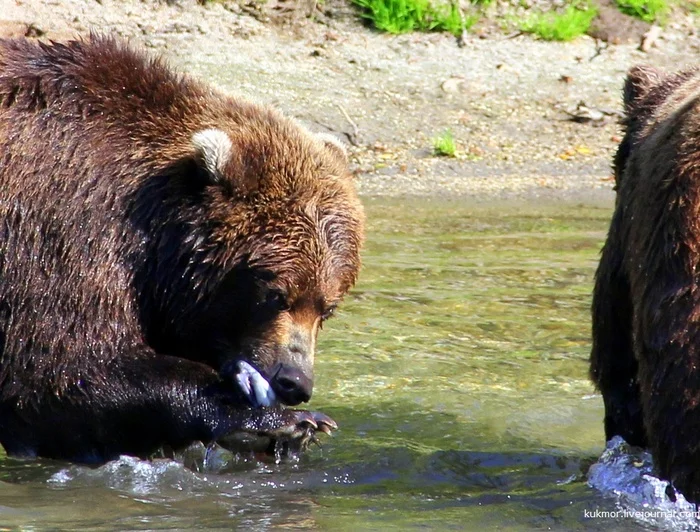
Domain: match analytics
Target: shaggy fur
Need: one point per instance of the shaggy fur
(646, 305)
(154, 231)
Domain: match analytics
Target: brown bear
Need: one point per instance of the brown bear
(168, 254)
(645, 357)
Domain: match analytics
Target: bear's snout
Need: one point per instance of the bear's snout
(291, 385)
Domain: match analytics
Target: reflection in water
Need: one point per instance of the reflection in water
(457, 371)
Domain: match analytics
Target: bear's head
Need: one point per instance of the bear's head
(259, 241)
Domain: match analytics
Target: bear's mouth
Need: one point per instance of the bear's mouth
(254, 386)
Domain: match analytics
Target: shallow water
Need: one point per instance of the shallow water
(457, 371)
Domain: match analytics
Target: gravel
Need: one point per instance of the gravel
(531, 119)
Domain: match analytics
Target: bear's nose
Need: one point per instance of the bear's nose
(291, 385)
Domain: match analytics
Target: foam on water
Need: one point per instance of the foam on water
(625, 473)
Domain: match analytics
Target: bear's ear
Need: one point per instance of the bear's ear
(213, 150)
(333, 143)
(640, 80)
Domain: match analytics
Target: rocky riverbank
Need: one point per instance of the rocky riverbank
(530, 118)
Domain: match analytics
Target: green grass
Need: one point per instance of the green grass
(444, 144)
(564, 26)
(402, 16)
(647, 10)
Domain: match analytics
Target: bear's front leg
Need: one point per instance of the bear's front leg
(138, 403)
(613, 364)
(672, 406)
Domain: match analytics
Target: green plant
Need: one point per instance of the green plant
(565, 26)
(394, 16)
(444, 144)
(647, 10)
(450, 18)
(401, 16)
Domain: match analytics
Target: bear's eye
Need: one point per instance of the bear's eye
(276, 300)
(328, 313)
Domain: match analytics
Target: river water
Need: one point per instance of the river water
(457, 371)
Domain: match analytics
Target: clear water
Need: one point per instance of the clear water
(457, 371)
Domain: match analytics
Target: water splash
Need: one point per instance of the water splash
(626, 474)
(199, 470)
(132, 475)
(214, 458)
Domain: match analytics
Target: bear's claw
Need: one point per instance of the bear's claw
(302, 430)
(274, 431)
(324, 423)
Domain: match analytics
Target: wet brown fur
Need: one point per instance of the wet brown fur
(646, 306)
(118, 246)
